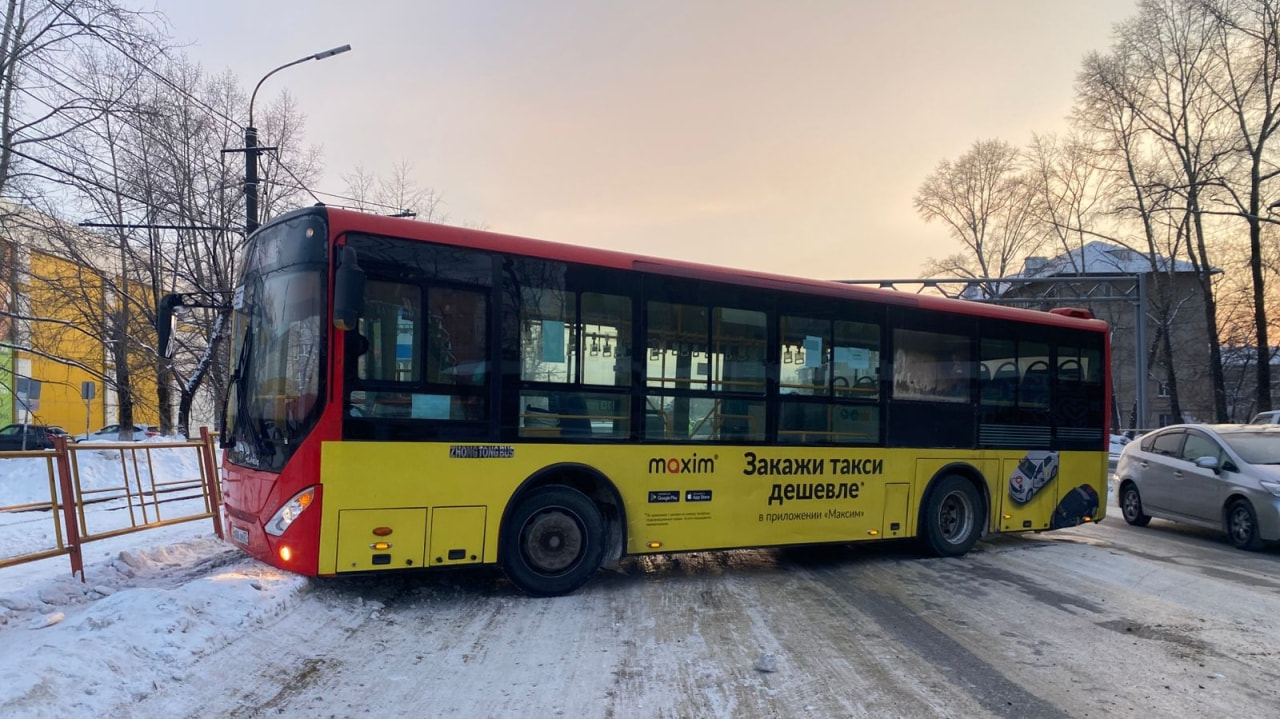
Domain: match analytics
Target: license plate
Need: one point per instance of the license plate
(240, 536)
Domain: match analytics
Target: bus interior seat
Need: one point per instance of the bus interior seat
(539, 421)
(1004, 384)
(537, 414)
(574, 421)
(1069, 371)
(655, 426)
(1035, 384)
(734, 427)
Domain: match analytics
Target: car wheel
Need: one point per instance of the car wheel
(1131, 506)
(553, 541)
(953, 517)
(1242, 526)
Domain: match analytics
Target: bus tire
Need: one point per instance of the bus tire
(553, 542)
(953, 517)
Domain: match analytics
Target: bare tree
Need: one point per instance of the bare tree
(397, 193)
(1105, 113)
(294, 167)
(52, 54)
(1157, 84)
(189, 180)
(42, 95)
(1074, 184)
(987, 204)
(1246, 46)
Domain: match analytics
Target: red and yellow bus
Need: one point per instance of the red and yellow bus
(408, 395)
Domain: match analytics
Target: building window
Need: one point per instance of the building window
(1162, 389)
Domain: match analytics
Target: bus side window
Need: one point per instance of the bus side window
(457, 351)
(931, 366)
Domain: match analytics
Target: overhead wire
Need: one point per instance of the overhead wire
(145, 65)
(356, 201)
(185, 93)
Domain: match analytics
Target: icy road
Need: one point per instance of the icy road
(1098, 621)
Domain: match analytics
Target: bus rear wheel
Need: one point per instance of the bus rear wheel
(953, 517)
(553, 542)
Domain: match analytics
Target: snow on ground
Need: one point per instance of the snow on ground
(157, 598)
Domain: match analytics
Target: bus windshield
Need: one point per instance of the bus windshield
(277, 337)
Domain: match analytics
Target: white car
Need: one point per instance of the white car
(111, 433)
(1118, 441)
(1034, 471)
(1269, 417)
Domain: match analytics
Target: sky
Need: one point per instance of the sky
(789, 137)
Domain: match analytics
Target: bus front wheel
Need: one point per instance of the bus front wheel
(553, 542)
(953, 517)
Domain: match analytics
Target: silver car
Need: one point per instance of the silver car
(1222, 476)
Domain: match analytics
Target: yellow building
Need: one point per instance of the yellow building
(56, 311)
(62, 356)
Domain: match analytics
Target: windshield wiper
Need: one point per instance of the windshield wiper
(244, 425)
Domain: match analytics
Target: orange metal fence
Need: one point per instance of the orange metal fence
(119, 489)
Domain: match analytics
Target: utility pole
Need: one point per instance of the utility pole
(251, 149)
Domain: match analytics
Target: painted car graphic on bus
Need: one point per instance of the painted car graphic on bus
(1034, 471)
(1078, 506)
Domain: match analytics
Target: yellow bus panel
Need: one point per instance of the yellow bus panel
(675, 497)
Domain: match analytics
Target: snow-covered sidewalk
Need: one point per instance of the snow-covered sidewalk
(160, 598)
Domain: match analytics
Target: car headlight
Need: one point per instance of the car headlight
(1272, 487)
(291, 510)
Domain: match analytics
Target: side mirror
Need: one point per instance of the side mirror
(1207, 463)
(348, 290)
(164, 322)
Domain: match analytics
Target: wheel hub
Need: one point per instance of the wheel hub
(1241, 525)
(1130, 505)
(954, 517)
(552, 540)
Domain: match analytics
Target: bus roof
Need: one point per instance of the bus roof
(342, 220)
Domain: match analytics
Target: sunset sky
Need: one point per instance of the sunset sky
(782, 136)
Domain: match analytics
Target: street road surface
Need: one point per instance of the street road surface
(1097, 621)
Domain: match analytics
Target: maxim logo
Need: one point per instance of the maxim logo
(682, 465)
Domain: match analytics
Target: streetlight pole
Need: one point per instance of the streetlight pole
(251, 149)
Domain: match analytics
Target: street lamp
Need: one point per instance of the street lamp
(251, 148)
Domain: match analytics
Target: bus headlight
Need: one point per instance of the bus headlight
(283, 517)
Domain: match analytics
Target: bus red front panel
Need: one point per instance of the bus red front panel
(253, 498)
